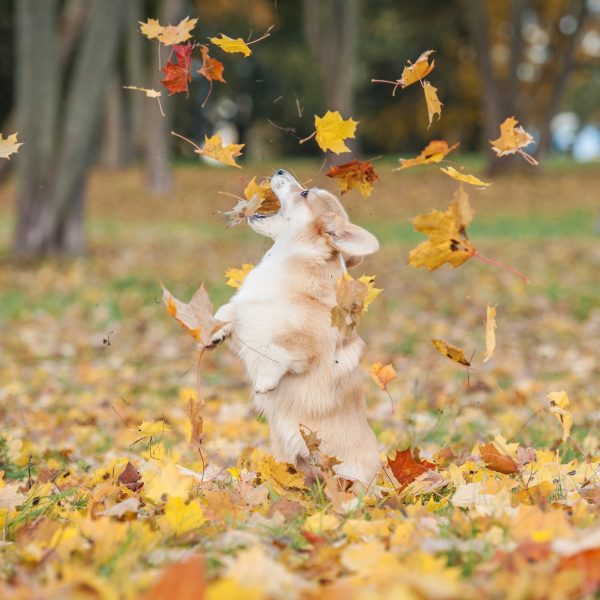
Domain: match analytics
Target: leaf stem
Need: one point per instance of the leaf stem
(187, 140)
(500, 265)
(312, 135)
(265, 35)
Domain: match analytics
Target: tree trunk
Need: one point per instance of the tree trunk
(57, 153)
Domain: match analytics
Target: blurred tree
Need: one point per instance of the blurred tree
(58, 113)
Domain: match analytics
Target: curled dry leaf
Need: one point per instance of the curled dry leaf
(434, 152)
(235, 277)
(9, 145)
(382, 375)
(458, 176)
(332, 130)
(231, 45)
(416, 71)
(512, 139)
(451, 351)
(406, 468)
(131, 478)
(194, 316)
(559, 401)
(354, 174)
(316, 456)
(496, 461)
(353, 299)
(490, 333)
(434, 106)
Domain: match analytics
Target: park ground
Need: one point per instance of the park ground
(88, 354)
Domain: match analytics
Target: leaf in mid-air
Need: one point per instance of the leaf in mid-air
(178, 75)
(458, 176)
(169, 35)
(332, 130)
(382, 375)
(434, 106)
(354, 174)
(512, 139)
(434, 152)
(211, 68)
(235, 277)
(490, 333)
(269, 202)
(9, 145)
(451, 351)
(414, 72)
(213, 148)
(231, 45)
(353, 299)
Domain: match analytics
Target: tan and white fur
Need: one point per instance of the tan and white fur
(303, 371)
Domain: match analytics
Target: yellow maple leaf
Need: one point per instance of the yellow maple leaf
(434, 106)
(490, 333)
(181, 518)
(382, 375)
(231, 45)
(169, 481)
(268, 200)
(9, 145)
(153, 428)
(213, 148)
(277, 474)
(512, 139)
(168, 34)
(451, 351)
(320, 522)
(332, 130)
(458, 176)
(434, 152)
(235, 277)
(559, 401)
(151, 28)
(448, 241)
(414, 72)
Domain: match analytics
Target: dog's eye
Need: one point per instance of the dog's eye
(304, 193)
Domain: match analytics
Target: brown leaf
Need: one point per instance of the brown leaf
(196, 421)
(406, 469)
(183, 580)
(496, 461)
(131, 478)
(434, 152)
(354, 174)
(451, 351)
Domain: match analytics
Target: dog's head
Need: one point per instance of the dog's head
(309, 215)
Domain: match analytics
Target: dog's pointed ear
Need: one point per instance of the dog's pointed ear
(348, 238)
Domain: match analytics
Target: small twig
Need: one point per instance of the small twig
(265, 35)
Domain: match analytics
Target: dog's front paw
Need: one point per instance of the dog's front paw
(219, 337)
(265, 384)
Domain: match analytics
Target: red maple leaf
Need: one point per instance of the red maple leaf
(177, 76)
(406, 469)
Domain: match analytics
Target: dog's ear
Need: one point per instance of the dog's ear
(349, 239)
(352, 261)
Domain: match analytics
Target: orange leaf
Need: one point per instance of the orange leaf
(211, 68)
(434, 152)
(406, 469)
(496, 461)
(416, 71)
(434, 106)
(354, 174)
(512, 139)
(177, 76)
(587, 564)
(451, 351)
(458, 176)
(382, 375)
(183, 580)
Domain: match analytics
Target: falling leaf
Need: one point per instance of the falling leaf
(416, 71)
(151, 93)
(434, 106)
(182, 580)
(9, 145)
(382, 375)
(458, 176)
(353, 299)
(150, 429)
(235, 277)
(332, 130)
(211, 68)
(559, 401)
(354, 174)
(194, 316)
(169, 35)
(151, 29)
(131, 478)
(177, 76)
(406, 469)
(490, 333)
(269, 202)
(512, 139)
(496, 461)
(181, 518)
(196, 421)
(448, 241)
(213, 148)
(434, 152)
(231, 46)
(451, 351)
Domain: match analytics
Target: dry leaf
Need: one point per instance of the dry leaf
(213, 148)
(151, 29)
(183, 581)
(168, 34)
(354, 174)
(382, 375)
(332, 130)
(406, 469)
(451, 351)
(9, 145)
(434, 152)
(416, 71)
(151, 93)
(490, 333)
(235, 277)
(353, 299)
(211, 68)
(177, 76)
(317, 457)
(195, 316)
(458, 176)
(559, 401)
(496, 461)
(131, 478)
(512, 139)
(434, 106)
(196, 421)
(231, 46)
(269, 203)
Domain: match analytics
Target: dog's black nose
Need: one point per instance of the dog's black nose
(280, 172)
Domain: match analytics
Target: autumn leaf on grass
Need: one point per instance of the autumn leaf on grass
(194, 316)
(512, 139)
(490, 333)
(9, 145)
(451, 351)
(331, 131)
(406, 469)
(182, 580)
(235, 277)
(559, 401)
(316, 456)
(177, 76)
(181, 518)
(130, 477)
(458, 176)
(231, 46)
(496, 461)
(353, 299)
(382, 375)
(448, 241)
(168, 34)
(416, 71)
(434, 106)
(354, 174)
(434, 152)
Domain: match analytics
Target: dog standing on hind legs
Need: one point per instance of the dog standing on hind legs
(303, 371)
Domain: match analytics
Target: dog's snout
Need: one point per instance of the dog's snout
(280, 172)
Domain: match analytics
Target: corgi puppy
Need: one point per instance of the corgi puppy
(302, 370)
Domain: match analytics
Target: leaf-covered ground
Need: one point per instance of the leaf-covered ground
(95, 375)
